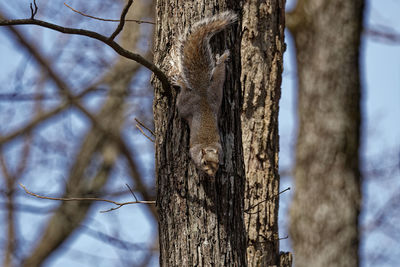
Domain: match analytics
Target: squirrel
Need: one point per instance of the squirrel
(201, 80)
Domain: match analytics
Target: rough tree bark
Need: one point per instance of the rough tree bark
(262, 55)
(325, 209)
(200, 219)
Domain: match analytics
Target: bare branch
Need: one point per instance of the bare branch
(383, 34)
(140, 125)
(114, 45)
(265, 200)
(118, 204)
(133, 194)
(41, 118)
(109, 20)
(144, 126)
(141, 130)
(33, 10)
(122, 20)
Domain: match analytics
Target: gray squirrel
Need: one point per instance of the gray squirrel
(201, 80)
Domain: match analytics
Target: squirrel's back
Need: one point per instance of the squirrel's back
(193, 54)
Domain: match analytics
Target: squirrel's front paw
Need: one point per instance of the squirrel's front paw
(223, 58)
(206, 157)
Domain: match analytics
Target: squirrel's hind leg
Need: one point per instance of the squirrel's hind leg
(215, 90)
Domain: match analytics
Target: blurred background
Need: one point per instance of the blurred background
(49, 145)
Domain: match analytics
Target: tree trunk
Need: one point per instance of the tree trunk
(200, 218)
(262, 54)
(326, 204)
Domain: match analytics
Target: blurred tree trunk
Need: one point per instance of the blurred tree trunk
(262, 57)
(201, 219)
(326, 204)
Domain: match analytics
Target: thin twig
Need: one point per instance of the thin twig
(265, 200)
(122, 20)
(133, 194)
(267, 240)
(282, 238)
(144, 126)
(141, 130)
(33, 11)
(388, 35)
(109, 20)
(118, 204)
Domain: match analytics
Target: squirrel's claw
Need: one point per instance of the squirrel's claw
(223, 58)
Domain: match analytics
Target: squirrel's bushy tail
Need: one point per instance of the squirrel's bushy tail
(195, 57)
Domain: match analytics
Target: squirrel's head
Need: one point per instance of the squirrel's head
(207, 158)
